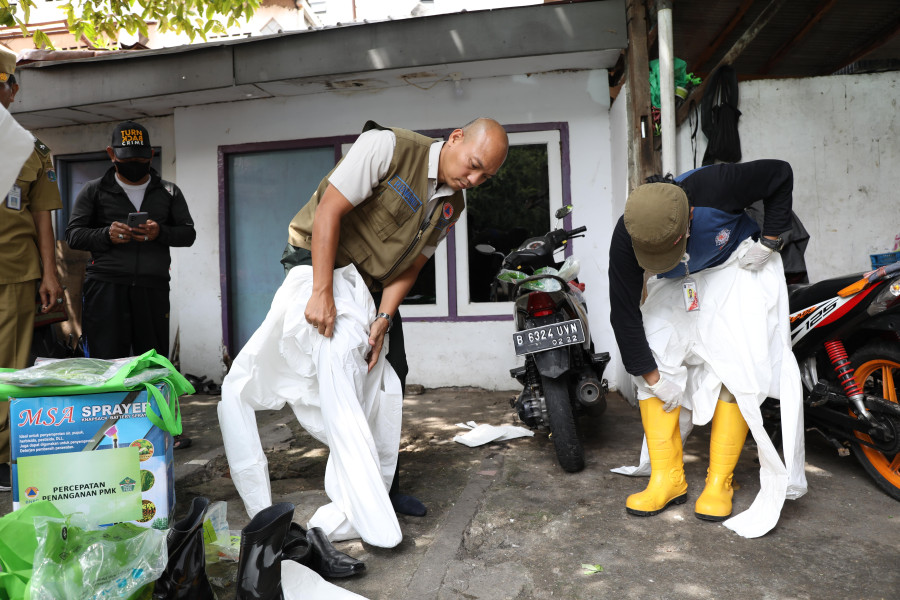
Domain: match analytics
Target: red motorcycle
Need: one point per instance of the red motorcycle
(845, 334)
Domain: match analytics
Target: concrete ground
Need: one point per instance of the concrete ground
(505, 522)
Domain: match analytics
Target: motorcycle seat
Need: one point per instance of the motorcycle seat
(804, 295)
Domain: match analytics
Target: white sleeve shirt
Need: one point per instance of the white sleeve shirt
(367, 163)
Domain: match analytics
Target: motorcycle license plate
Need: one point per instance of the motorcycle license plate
(547, 337)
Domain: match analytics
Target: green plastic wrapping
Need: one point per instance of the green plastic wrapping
(18, 541)
(120, 375)
(77, 563)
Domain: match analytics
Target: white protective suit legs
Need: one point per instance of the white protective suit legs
(740, 338)
(325, 380)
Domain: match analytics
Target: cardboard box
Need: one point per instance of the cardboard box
(97, 454)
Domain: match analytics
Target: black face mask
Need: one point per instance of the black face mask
(133, 171)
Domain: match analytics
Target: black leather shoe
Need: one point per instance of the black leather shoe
(328, 561)
(407, 505)
(296, 547)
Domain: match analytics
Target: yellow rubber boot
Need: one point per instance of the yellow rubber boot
(729, 431)
(667, 485)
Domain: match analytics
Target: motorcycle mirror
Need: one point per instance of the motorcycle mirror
(485, 248)
(562, 212)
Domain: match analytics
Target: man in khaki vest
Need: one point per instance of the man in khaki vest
(28, 248)
(384, 208)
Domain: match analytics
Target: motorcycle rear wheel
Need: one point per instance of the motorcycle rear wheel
(569, 451)
(878, 373)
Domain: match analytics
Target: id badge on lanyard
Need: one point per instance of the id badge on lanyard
(14, 198)
(689, 289)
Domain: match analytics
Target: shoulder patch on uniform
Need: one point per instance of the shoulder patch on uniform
(51, 175)
(41, 147)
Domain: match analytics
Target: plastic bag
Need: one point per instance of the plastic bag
(538, 285)
(220, 542)
(79, 371)
(133, 373)
(567, 271)
(76, 563)
(65, 371)
(17, 545)
(682, 78)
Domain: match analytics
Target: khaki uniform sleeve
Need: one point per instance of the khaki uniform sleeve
(38, 180)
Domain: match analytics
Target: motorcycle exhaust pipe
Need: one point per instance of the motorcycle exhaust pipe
(590, 391)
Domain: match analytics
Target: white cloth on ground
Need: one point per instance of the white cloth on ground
(482, 434)
(302, 583)
(740, 338)
(326, 384)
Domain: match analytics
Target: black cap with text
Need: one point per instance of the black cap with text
(131, 140)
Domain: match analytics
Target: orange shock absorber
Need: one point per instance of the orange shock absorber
(845, 373)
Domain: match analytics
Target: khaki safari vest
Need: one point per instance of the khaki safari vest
(384, 234)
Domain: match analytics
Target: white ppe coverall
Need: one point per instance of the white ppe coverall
(17, 145)
(740, 338)
(325, 380)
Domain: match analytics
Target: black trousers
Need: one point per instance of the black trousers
(124, 320)
(396, 356)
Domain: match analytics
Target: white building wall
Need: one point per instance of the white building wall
(439, 353)
(840, 135)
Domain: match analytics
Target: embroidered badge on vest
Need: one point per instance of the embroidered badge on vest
(400, 186)
(446, 214)
(723, 237)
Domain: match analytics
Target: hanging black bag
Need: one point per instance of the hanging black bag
(719, 117)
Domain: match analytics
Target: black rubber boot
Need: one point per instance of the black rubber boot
(259, 563)
(185, 574)
(327, 561)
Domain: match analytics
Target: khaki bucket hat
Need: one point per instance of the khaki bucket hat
(657, 217)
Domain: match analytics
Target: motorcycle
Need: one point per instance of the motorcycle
(845, 334)
(562, 377)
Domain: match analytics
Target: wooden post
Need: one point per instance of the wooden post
(643, 160)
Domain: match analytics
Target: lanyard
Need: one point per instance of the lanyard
(689, 288)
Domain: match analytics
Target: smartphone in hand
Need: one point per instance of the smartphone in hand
(137, 219)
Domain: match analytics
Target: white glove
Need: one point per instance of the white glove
(755, 257)
(669, 393)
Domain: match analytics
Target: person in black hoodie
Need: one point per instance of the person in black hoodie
(126, 287)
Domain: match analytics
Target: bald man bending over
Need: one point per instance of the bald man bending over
(385, 208)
